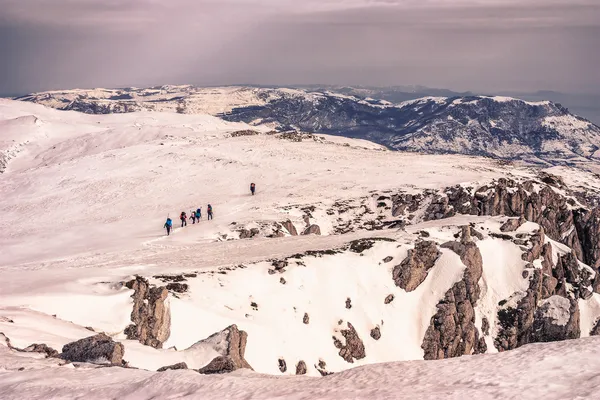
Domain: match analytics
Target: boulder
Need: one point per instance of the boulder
(98, 349)
(282, 365)
(289, 226)
(312, 230)
(151, 315)
(180, 365)
(301, 368)
(512, 224)
(230, 343)
(354, 348)
(376, 333)
(219, 365)
(306, 319)
(388, 299)
(414, 269)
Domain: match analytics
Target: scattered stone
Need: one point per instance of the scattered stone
(388, 259)
(376, 333)
(301, 368)
(282, 365)
(151, 316)
(6, 319)
(177, 287)
(424, 234)
(306, 319)
(89, 328)
(99, 349)
(389, 298)
(348, 303)
(180, 365)
(360, 245)
(414, 269)
(254, 306)
(282, 281)
(485, 326)
(596, 329)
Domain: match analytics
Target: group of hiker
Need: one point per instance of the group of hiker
(196, 216)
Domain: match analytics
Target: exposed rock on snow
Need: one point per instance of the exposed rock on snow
(282, 365)
(557, 318)
(219, 365)
(230, 343)
(312, 230)
(388, 299)
(41, 348)
(512, 224)
(180, 365)
(151, 316)
(99, 349)
(413, 270)
(289, 226)
(452, 331)
(301, 368)
(306, 319)
(353, 349)
(376, 333)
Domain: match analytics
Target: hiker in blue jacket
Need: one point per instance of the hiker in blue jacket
(168, 226)
(198, 214)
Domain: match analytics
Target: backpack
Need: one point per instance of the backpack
(209, 208)
(169, 222)
(183, 215)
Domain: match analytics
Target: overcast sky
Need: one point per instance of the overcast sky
(480, 45)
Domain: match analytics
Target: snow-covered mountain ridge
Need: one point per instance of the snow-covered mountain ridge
(499, 127)
(349, 255)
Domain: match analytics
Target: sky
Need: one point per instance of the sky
(477, 45)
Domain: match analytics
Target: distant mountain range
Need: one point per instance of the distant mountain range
(501, 127)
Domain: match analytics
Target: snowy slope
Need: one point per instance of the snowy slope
(498, 127)
(84, 201)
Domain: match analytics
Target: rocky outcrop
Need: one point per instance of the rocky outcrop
(409, 274)
(289, 226)
(230, 343)
(180, 365)
(587, 225)
(354, 348)
(312, 230)
(596, 329)
(301, 368)
(218, 365)
(512, 224)
(151, 315)
(306, 319)
(452, 331)
(282, 365)
(388, 299)
(556, 319)
(41, 348)
(99, 349)
(248, 234)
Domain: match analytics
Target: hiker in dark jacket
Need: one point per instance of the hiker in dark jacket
(252, 188)
(183, 218)
(209, 212)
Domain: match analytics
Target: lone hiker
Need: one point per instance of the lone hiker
(193, 216)
(183, 218)
(168, 226)
(209, 211)
(252, 188)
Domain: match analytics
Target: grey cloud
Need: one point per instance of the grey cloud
(470, 45)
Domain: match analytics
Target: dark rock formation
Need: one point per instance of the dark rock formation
(248, 234)
(353, 349)
(289, 226)
(388, 259)
(230, 343)
(388, 299)
(413, 270)
(452, 331)
(180, 365)
(512, 224)
(41, 348)
(177, 287)
(282, 365)
(99, 349)
(151, 316)
(312, 230)
(306, 319)
(348, 303)
(219, 365)
(596, 329)
(321, 367)
(376, 333)
(301, 368)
